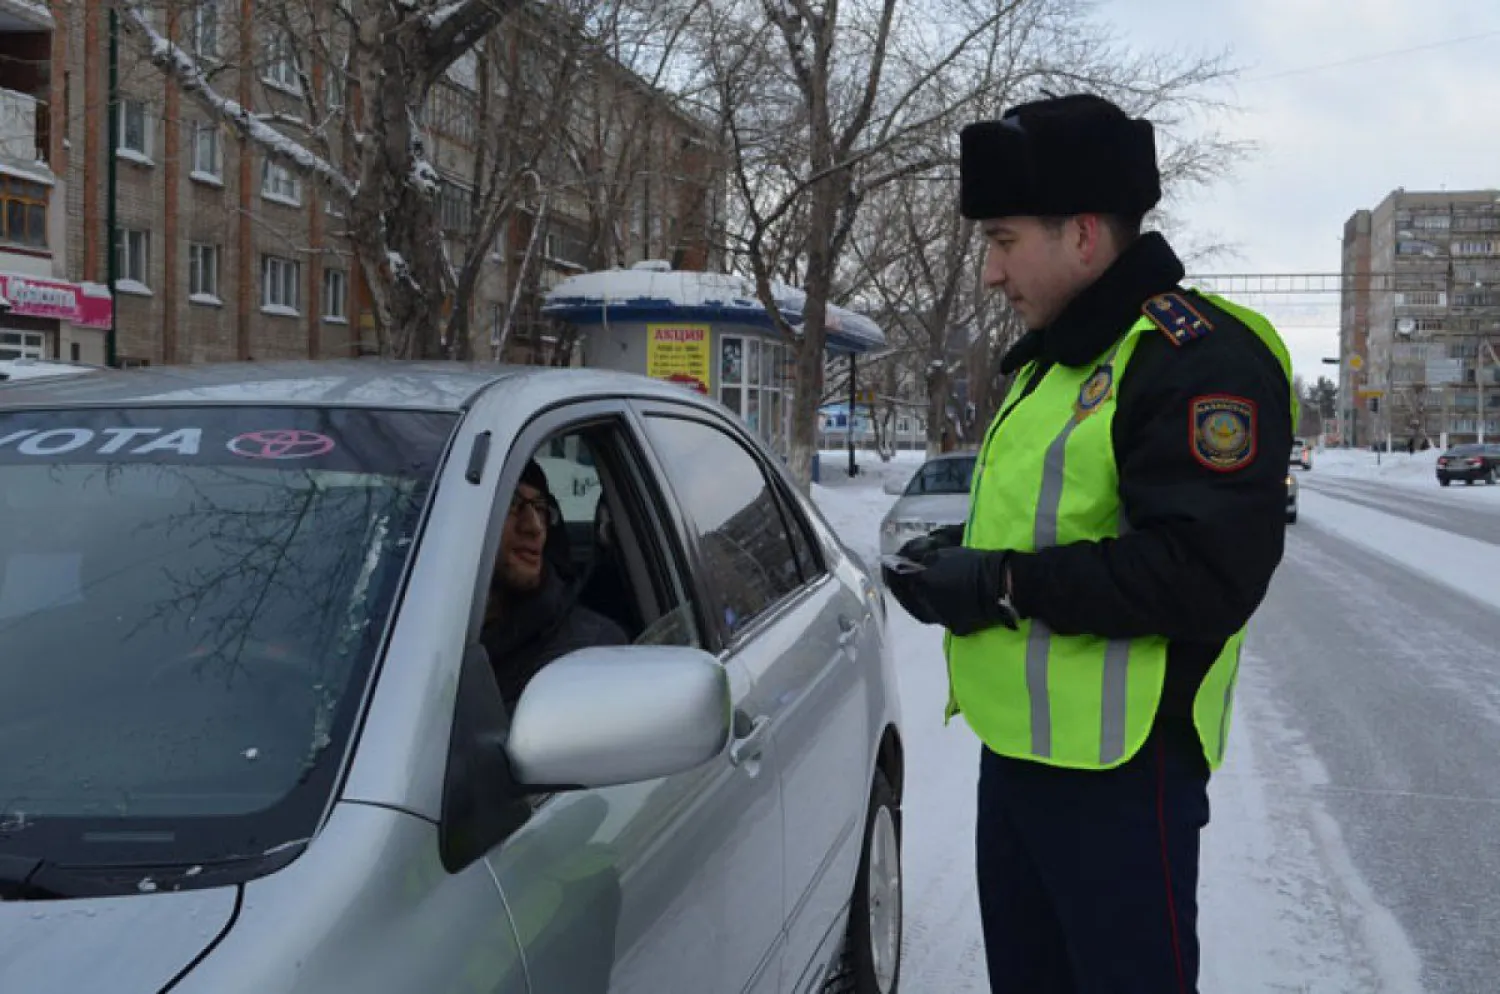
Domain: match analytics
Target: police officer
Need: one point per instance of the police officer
(1127, 513)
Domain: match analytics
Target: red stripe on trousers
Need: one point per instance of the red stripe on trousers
(1166, 862)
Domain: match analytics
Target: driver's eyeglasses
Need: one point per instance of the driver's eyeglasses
(545, 512)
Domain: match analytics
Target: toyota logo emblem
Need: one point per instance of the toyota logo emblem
(280, 443)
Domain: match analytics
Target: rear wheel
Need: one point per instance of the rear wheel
(1291, 517)
(1443, 481)
(871, 962)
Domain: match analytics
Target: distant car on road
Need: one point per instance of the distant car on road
(934, 496)
(1301, 453)
(1469, 463)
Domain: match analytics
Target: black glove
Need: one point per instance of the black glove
(916, 553)
(961, 589)
(946, 537)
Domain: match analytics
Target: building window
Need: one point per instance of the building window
(335, 295)
(25, 212)
(277, 183)
(1422, 298)
(133, 259)
(455, 203)
(333, 89)
(1473, 248)
(203, 273)
(22, 345)
(135, 135)
(281, 63)
(451, 111)
(205, 29)
(280, 280)
(208, 156)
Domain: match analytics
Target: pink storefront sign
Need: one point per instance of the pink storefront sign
(95, 309)
(88, 306)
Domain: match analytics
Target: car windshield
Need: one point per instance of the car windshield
(191, 601)
(942, 476)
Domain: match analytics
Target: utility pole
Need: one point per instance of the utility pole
(1484, 346)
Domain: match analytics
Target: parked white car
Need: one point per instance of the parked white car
(255, 744)
(936, 495)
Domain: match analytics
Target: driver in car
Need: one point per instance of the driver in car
(533, 615)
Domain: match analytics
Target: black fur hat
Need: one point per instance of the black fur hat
(1078, 154)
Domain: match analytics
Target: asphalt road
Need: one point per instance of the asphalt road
(1386, 691)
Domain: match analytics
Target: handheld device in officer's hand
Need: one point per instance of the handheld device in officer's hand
(900, 565)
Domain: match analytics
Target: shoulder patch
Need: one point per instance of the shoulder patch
(1176, 318)
(1222, 431)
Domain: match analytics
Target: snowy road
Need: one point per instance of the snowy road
(1473, 512)
(1393, 683)
(1355, 841)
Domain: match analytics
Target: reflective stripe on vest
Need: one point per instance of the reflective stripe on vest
(1070, 700)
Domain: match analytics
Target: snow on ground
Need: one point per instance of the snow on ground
(1399, 469)
(1467, 566)
(1283, 907)
(1392, 467)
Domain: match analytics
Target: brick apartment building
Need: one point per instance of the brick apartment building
(1421, 302)
(43, 312)
(223, 255)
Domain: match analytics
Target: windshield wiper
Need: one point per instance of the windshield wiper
(17, 880)
(27, 878)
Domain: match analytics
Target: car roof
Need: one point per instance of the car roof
(377, 383)
(949, 456)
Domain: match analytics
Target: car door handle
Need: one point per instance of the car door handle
(848, 632)
(750, 745)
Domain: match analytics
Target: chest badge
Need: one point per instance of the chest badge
(1094, 392)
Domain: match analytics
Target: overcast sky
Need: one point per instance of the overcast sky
(1337, 139)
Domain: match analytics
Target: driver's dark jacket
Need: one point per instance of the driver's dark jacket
(534, 629)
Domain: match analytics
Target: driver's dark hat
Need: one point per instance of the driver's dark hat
(1079, 154)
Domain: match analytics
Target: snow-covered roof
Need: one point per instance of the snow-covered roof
(652, 292)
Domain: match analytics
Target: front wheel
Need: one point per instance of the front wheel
(872, 945)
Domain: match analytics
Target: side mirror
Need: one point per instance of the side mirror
(895, 485)
(611, 715)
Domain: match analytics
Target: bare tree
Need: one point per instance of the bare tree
(821, 104)
(915, 259)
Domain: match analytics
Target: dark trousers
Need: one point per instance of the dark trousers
(1088, 880)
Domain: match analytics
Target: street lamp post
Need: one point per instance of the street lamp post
(1351, 413)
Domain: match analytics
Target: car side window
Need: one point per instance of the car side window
(799, 531)
(746, 548)
(581, 559)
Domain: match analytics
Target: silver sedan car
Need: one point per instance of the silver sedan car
(255, 744)
(937, 494)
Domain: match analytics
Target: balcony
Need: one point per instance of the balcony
(24, 126)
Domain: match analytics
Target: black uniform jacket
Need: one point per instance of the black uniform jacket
(1207, 525)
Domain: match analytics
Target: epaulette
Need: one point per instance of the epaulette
(1176, 318)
